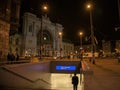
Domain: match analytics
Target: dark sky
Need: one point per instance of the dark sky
(74, 16)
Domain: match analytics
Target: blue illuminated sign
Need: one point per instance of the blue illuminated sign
(66, 68)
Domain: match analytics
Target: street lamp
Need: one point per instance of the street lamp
(44, 8)
(81, 33)
(81, 49)
(60, 35)
(89, 6)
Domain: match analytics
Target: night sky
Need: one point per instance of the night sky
(74, 17)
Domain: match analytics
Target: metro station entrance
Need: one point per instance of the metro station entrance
(63, 81)
(51, 75)
(62, 72)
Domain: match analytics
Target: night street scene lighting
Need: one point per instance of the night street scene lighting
(81, 48)
(90, 7)
(44, 10)
(42, 49)
(60, 37)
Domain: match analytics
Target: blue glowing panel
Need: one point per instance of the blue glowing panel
(65, 68)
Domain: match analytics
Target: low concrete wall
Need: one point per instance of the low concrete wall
(29, 75)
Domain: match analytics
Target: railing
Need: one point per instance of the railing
(14, 62)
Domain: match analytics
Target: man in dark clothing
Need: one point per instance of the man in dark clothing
(75, 81)
(17, 57)
(8, 57)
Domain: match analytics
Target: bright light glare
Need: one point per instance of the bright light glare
(88, 6)
(60, 33)
(45, 7)
(81, 33)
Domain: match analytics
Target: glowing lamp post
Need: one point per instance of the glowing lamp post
(81, 48)
(81, 33)
(44, 8)
(60, 35)
(89, 6)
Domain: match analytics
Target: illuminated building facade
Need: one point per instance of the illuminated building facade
(28, 42)
(32, 32)
(9, 22)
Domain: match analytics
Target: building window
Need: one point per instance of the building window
(10, 40)
(17, 41)
(30, 28)
(30, 41)
(16, 49)
(0, 26)
(64, 47)
(10, 49)
(1, 38)
(3, 6)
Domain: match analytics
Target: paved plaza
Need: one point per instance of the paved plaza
(105, 76)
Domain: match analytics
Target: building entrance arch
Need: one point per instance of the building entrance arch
(47, 43)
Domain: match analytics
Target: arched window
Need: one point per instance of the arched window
(30, 28)
(17, 41)
(16, 49)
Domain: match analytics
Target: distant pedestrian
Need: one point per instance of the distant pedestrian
(75, 81)
(8, 57)
(17, 57)
(12, 57)
(81, 56)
